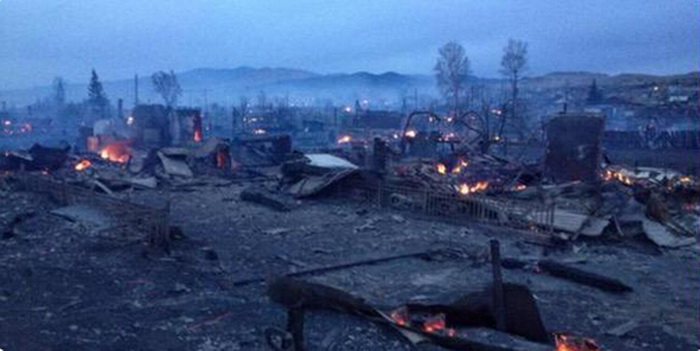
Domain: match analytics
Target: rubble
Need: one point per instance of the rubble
(259, 196)
(222, 216)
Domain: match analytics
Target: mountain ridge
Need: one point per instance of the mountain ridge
(227, 84)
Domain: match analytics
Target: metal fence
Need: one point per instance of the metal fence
(454, 207)
(154, 222)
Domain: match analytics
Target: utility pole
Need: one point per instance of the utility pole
(136, 90)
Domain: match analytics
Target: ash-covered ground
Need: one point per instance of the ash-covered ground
(77, 285)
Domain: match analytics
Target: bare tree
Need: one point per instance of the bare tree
(451, 71)
(513, 64)
(166, 85)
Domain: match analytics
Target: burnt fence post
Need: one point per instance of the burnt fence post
(498, 298)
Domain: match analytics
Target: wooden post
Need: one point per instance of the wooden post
(498, 298)
(295, 326)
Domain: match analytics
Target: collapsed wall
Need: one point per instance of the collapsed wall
(574, 147)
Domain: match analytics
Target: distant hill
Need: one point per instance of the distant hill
(578, 79)
(226, 86)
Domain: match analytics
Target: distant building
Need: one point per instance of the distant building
(368, 119)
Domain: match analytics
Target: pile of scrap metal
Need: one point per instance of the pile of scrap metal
(37, 158)
(261, 150)
(119, 165)
(305, 175)
(466, 172)
(657, 204)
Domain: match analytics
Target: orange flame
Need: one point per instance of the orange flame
(466, 189)
(344, 139)
(567, 343)
(441, 168)
(435, 323)
(461, 163)
(82, 165)
(620, 176)
(400, 316)
(197, 135)
(221, 159)
(117, 151)
(411, 133)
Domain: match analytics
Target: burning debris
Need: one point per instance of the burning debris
(82, 165)
(459, 183)
(466, 189)
(571, 343)
(118, 152)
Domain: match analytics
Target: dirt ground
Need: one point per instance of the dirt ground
(67, 285)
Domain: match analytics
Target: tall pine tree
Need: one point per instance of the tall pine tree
(595, 96)
(59, 91)
(97, 99)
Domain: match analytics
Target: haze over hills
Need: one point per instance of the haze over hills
(226, 86)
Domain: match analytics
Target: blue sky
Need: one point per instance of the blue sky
(40, 39)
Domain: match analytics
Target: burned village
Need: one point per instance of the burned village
(284, 209)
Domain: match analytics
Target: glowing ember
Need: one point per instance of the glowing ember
(82, 165)
(450, 136)
(435, 323)
(400, 316)
(466, 189)
(411, 133)
(117, 151)
(197, 135)
(344, 139)
(620, 176)
(570, 343)
(461, 164)
(221, 159)
(440, 167)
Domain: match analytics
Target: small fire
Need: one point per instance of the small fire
(411, 133)
(466, 189)
(400, 316)
(344, 139)
(117, 151)
(441, 168)
(221, 159)
(685, 179)
(569, 343)
(620, 176)
(197, 135)
(82, 165)
(461, 163)
(435, 323)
